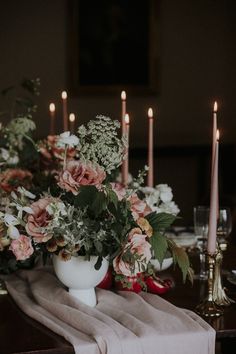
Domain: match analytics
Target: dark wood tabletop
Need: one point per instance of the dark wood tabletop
(20, 334)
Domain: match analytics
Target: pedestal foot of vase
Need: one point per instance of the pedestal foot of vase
(80, 276)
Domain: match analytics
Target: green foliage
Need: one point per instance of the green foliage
(159, 245)
(161, 221)
(180, 257)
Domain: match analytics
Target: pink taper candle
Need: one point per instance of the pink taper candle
(150, 148)
(211, 242)
(64, 108)
(123, 112)
(214, 134)
(215, 108)
(125, 170)
(52, 118)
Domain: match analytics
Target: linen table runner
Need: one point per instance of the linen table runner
(121, 323)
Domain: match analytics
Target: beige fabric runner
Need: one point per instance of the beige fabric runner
(121, 323)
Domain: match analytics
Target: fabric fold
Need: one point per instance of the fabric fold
(121, 323)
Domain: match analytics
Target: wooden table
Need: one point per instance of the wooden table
(19, 334)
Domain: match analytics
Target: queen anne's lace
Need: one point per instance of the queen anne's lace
(99, 143)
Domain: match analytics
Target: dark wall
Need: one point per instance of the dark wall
(196, 41)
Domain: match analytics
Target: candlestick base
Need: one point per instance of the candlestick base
(207, 307)
(219, 296)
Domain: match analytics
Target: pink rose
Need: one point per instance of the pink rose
(40, 218)
(10, 179)
(119, 189)
(22, 248)
(139, 207)
(78, 174)
(136, 244)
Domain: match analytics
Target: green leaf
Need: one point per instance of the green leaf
(160, 221)
(112, 197)
(181, 258)
(159, 246)
(99, 203)
(98, 263)
(86, 196)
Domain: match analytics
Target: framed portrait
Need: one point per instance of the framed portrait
(113, 45)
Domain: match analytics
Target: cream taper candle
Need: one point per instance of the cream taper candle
(212, 231)
(52, 109)
(64, 108)
(72, 122)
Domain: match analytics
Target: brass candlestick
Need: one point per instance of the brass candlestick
(208, 308)
(219, 296)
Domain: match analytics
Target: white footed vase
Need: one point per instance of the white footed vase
(80, 276)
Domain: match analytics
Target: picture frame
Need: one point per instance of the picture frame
(113, 47)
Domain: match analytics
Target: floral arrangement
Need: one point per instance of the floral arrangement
(17, 149)
(84, 213)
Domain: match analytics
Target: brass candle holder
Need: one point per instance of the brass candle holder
(208, 308)
(219, 296)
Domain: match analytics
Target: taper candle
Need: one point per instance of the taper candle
(214, 133)
(126, 161)
(72, 122)
(52, 109)
(212, 230)
(123, 112)
(64, 108)
(150, 177)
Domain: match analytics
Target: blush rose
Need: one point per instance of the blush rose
(78, 174)
(22, 248)
(39, 219)
(136, 244)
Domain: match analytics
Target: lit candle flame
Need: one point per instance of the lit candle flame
(123, 95)
(72, 117)
(215, 107)
(217, 135)
(64, 95)
(150, 113)
(126, 118)
(52, 107)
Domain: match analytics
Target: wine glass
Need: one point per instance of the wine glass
(201, 221)
(224, 227)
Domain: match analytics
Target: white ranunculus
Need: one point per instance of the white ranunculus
(166, 194)
(170, 208)
(13, 232)
(67, 139)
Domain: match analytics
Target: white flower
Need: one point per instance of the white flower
(67, 139)
(26, 193)
(4, 154)
(13, 232)
(169, 207)
(10, 220)
(13, 160)
(166, 194)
